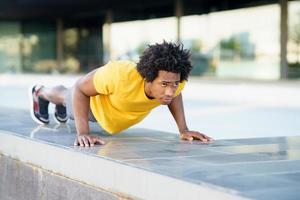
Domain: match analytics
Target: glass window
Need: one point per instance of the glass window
(39, 46)
(241, 43)
(10, 36)
(82, 45)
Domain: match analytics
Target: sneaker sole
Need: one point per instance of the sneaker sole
(59, 122)
(32, 105)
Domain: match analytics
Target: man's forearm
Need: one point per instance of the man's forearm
(80, 106)
(177, 110)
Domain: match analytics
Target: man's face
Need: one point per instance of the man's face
(163, 88)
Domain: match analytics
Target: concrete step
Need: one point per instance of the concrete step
(148, 164)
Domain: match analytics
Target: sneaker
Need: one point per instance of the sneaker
(39, 106)
(60, 114)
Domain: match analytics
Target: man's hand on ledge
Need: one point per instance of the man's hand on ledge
(194, 135)
(88, 140)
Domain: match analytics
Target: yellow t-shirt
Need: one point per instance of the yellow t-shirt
(122, 101)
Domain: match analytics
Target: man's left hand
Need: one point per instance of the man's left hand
(195, 135)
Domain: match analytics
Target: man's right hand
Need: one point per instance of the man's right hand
(87, 140)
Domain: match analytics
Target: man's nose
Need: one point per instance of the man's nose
(169, 92)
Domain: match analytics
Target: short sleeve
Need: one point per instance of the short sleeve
(180, 88)
(104, 79)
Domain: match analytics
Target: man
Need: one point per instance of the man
(121, 94)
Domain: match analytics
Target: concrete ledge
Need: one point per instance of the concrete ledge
(21, 180)
(104, 173)
(148, 164)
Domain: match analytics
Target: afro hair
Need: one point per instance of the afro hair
(166, 56)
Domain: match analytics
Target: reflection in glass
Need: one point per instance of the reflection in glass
(10, 37)
(39, 46)
(31, 46)
(82, 46)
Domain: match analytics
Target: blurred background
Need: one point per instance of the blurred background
(246, 55)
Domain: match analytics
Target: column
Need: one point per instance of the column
(283, 38)
(178, 13)
(59, 43)
(107, 36)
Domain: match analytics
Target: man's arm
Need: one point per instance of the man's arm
(177, 110)
(84, 88)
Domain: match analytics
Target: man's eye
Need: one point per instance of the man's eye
(176, 84)
(164, 84)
